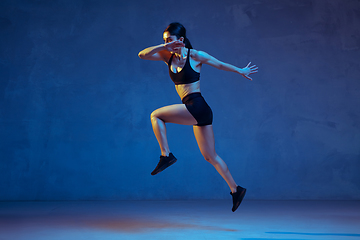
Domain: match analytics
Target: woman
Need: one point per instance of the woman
(184, 65)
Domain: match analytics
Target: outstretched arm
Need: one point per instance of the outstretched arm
(205, 58)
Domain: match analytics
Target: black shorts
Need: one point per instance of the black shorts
(199, 109)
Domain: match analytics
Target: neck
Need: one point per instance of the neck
(181, 53)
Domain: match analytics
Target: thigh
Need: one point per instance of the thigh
(176, 113)
(205, 138)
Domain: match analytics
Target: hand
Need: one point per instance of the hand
(174, 46)
(246, 71)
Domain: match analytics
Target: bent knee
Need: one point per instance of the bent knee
(155, 115)
(211, 158)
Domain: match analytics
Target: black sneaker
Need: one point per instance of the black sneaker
(237, 197)
(164, 163)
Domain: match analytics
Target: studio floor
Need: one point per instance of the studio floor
(209, 219)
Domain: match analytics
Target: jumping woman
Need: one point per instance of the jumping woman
(184, 65)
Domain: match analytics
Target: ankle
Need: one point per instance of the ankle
(165, 154)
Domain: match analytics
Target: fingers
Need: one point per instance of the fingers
(253, 69)
(175, 45)
(250, 70)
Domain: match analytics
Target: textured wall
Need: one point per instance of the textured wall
(75, 99)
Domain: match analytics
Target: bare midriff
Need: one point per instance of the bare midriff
(185, 89)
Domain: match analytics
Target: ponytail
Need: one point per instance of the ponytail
(187, 43)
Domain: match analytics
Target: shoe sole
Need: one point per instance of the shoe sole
(164, 167)
(241, 197)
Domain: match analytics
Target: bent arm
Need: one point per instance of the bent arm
(161, 52)
(155, 53)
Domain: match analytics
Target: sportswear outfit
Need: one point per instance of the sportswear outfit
(194, 102)
(200, 110)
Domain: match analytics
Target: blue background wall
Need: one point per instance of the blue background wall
(75, 99)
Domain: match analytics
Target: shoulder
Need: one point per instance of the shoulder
(199, 55)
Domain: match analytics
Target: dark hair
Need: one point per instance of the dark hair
(178, 30)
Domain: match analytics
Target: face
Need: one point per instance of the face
(169, 38)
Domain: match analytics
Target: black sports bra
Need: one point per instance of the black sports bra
(186, 75)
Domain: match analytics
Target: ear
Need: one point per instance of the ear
(181, 39)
